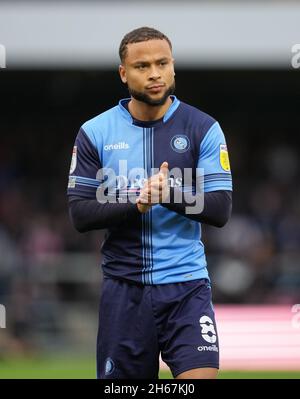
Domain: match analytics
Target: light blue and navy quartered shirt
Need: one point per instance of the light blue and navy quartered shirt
(160, 246)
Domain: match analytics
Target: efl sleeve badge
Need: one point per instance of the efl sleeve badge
(224, 158)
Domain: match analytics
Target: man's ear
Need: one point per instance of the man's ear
(122, 73)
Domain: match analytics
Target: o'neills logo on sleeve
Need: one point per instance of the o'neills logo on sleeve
(121, 145)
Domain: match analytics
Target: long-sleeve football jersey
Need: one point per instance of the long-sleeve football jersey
(114, 154)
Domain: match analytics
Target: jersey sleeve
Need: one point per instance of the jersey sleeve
(85, 163)
(214, 160)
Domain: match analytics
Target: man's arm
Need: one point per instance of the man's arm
(89, 214)
(85, 211)
(216, 210)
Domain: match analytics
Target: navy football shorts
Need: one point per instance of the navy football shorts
(138, 322)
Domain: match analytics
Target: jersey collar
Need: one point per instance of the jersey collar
(168, 114)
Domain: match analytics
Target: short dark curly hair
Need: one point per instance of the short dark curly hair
(140, 35)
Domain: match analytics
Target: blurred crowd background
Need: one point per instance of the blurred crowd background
(50, 274)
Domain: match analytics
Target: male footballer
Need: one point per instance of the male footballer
(150, 170)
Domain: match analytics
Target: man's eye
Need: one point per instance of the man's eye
(163, 63)
(141, 66)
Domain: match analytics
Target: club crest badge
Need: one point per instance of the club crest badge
(180, 143)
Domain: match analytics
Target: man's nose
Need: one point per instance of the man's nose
(154, 73)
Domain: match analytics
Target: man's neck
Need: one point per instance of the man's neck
(145, 112)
